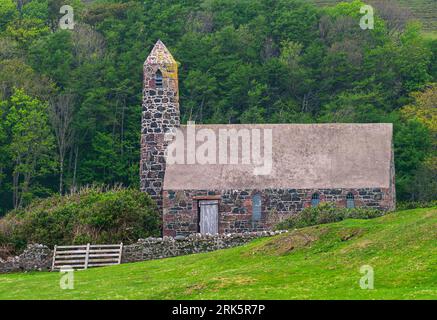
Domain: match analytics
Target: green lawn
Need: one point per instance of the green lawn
(430, 35)
(320, 262)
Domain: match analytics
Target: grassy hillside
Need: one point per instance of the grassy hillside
(320, 262)
(424, 10)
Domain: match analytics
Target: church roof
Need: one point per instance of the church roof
(304, 156)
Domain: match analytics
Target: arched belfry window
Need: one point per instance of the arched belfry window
(315, 200)
(158, 79)
(256, 207)
(350, 201)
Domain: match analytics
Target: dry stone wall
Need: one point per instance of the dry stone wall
(39, 257)
(157, 248)
(36, 257)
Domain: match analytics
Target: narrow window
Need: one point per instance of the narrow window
(315, 200)
(350, 202)
(256, 207)
(158, 79)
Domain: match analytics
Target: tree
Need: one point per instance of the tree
(61, 118)
(8, 12)
(87, 43)
(412, 145)
(3, 142)
(413, 59)
(424, 109)
(53, 57)
(294, 21)
(423, 186)
(15, 73)
(31, 143)
(297, 77)
(26, 30)
(352, 107)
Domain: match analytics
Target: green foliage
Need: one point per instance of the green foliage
(53, 56)
(250, 61)
(36, 9)
(29, 151)
(15, 73)
(26, 30)
(412, 144)
(352, 107)
(8, 11)
(406, 205)
(414, 59)
(325, 213)
(93, 214)
(295, 21)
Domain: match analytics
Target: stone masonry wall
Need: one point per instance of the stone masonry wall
(39, 257)
(181, 214)
(160, 115)
(36, 257)
(157, 248)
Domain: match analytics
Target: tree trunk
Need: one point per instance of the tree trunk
(61, 175)
(76, 151)
(15, 180)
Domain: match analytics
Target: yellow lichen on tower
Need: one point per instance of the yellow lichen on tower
(161, 59)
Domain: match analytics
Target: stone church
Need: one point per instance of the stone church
(208, 192)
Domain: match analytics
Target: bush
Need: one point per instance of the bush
(92, 215)
(416, 204)
(325, 213)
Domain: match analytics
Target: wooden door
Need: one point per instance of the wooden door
(208, 220)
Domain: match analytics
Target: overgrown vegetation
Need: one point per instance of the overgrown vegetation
(423, 10)
(70, 99)
(94, 214)
(416, 204)
(320, 262)
(325, 213)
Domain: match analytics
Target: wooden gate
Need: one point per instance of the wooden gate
(85, 256)
(208, 218)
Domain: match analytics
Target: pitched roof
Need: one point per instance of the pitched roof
(160, 55)
(304, 156)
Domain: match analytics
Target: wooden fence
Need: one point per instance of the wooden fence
(86, 256)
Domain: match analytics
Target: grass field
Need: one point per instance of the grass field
(423, 10)
(430, 35)
(320, 262)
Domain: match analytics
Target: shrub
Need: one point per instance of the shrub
(325, 213)
(416, 204)
(92, 215)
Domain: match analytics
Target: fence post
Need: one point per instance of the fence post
(87, 255)
(121, 252)
(54, 257)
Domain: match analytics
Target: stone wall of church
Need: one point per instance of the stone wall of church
(181, 214)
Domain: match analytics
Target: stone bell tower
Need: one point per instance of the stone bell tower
(160, 114)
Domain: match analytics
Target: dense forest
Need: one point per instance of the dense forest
(70, 100)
